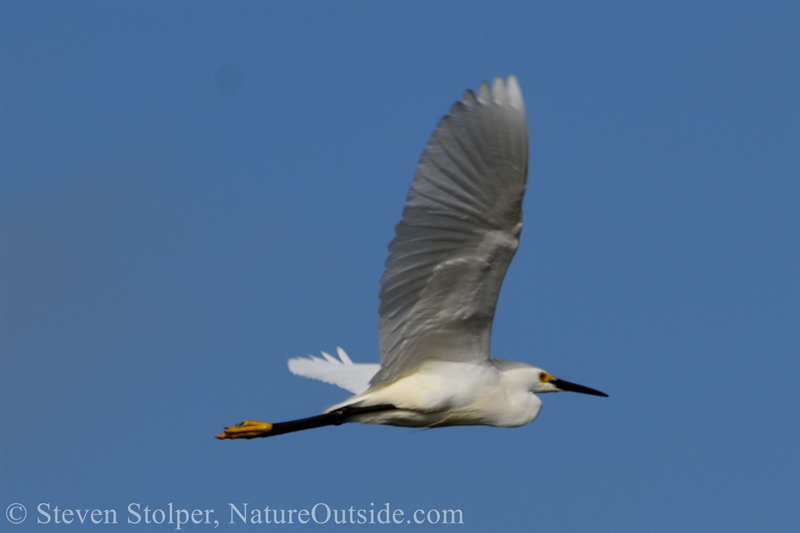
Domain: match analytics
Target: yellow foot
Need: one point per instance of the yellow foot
(249, 429)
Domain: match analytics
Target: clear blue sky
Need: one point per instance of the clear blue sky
(194, 192)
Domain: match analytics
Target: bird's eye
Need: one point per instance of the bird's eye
(543, 377)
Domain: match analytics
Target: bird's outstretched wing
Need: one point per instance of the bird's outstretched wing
(459, 232)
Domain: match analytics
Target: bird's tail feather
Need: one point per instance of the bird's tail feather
(342, 372)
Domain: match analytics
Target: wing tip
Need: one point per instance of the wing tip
(515, 93)
(508, 92)
(503, 92)
(484, 93)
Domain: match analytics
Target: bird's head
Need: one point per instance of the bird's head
(536, 380)
(545, 382)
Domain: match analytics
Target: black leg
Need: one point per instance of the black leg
(254, 430)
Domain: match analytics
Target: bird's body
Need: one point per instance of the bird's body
(448, 393)
(459, 231)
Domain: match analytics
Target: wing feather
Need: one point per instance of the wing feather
(459, 231)
(341, 372)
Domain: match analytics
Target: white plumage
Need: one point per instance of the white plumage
(459, 231)
(341, 372)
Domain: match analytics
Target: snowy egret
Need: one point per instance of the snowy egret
(459, 231)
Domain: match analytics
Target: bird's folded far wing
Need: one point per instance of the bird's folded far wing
(459, 232)
(341, 372)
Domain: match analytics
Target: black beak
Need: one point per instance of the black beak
(573, 387)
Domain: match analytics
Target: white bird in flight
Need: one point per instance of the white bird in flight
(460, 230)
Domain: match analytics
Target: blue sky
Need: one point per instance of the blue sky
(194, 192)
